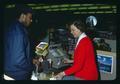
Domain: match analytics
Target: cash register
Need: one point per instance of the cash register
(53, 57)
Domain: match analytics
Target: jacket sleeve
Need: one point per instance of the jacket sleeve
(79, 59)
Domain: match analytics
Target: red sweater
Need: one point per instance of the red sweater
(84, 65)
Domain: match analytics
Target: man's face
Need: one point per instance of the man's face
(28, 19)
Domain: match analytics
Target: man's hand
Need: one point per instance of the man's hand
(35, 61)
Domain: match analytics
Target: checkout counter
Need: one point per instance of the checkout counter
(50, 61)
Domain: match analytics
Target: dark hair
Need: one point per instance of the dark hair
(79, 24)
(22, 8)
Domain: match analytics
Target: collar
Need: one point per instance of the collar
(22, 26)
(80, 37)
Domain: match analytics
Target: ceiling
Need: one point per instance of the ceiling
(73, 8)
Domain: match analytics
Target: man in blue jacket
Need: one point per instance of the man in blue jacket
(17, 59)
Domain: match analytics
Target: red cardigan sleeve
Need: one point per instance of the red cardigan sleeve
(79, 58)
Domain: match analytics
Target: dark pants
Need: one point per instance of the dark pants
(70, 78)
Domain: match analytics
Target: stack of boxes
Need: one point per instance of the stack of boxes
(42, 49)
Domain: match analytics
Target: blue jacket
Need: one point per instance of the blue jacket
(17, 58)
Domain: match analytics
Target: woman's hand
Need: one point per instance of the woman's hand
(59, 76)
(66, 60)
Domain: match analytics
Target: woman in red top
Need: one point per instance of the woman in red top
(84, 63)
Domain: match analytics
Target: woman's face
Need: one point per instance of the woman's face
(75, 31)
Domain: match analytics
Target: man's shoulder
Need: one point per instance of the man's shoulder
(18, 27)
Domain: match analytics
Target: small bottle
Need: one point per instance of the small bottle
(52, 75)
